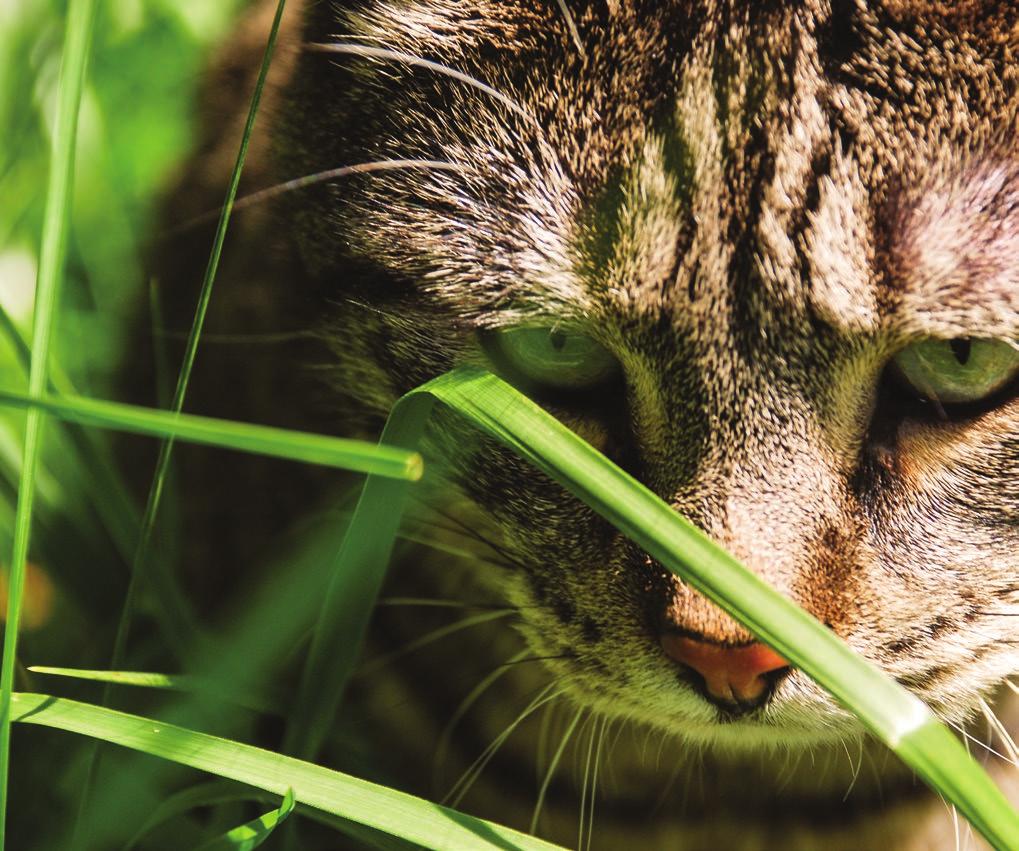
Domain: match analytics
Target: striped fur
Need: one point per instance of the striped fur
(753, 206)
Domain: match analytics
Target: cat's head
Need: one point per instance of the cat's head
(763, 255)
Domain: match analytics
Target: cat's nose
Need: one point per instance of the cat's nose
(733, 676)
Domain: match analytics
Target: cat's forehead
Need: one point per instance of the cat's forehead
(855, 161)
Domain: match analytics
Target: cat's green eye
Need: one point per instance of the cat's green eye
(959, 371)
(551, 358)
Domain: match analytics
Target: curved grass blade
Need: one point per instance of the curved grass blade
(890, 712)
(249, 836)
(77, 42)
(218, 792)
(357, 455)
(203, 795)
(379, 807)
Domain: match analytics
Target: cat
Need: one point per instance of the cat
(765, 256)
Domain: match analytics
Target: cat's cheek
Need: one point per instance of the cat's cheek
(926, 450)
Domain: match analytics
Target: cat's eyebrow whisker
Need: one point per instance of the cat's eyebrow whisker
(420, 62)
(297, 183)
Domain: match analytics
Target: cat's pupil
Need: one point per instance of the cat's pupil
(961, 349)
(558, 340)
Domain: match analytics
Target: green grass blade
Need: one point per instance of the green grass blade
(249, 836)
(218, 792)
(889, 711)
(353, 588)
(324, 450)
(379, 807)
(209, 794)
(77, 41)
(165, 682)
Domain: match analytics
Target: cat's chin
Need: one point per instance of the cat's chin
(749, 735)
(805, 720)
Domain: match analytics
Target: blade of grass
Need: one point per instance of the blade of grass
(203, 795)
(353, 588)
(269, 618)
(382, 808)
(889, 711)
(218, 792)
(324, 450)
(166, 682)
(74, 61)
(249, 836)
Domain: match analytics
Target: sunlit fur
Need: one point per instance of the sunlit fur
(754, 206)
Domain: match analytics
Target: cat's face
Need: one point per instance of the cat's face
(739, 220)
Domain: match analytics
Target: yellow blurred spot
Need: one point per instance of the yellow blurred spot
(37, 604)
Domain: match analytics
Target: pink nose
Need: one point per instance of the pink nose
(731, 674)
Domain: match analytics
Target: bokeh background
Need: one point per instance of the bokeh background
(137, 126)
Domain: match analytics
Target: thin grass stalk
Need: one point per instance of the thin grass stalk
(77, 43)
(191, 349)
(218, 792)
(890, 712)
(249, 836)
(139, 563)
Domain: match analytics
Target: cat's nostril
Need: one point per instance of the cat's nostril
(732, 675)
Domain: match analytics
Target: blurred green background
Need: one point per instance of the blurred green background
(136, 127)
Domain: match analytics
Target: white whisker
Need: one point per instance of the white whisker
(297, 183)
(553, 765)
(419, 62)
(442, 748)
(431, 637)
(997, 727)
(467, 779)
(971, 738)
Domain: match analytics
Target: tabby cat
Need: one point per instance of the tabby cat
(763, 255)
